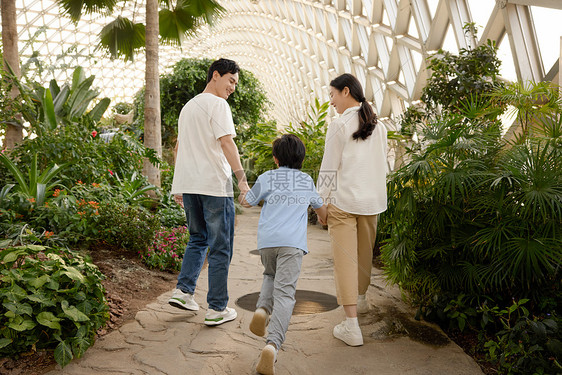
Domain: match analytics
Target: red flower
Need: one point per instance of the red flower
(94, 133)
(110, 172)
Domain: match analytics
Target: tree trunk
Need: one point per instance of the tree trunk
(14, 134)
(152, 129)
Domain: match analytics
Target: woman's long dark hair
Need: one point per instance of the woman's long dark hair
(367, 117)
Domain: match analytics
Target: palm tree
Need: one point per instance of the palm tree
(10, 50)
(152, 126)
(123, 38)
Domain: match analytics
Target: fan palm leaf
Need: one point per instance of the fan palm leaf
(180, 21)
(76, 8)
(122, 38)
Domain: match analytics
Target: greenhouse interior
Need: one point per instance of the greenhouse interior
(450, 177)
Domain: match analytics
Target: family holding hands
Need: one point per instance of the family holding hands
(349, 194)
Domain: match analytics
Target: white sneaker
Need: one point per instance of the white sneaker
(214, 318)
(362, 304)
(351, 336)
(259, 322)
(183, 301)
(266, 364)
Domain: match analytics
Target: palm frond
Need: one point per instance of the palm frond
(122, 38)
(181, 21)
(75, 8)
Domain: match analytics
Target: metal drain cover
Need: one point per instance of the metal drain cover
(308, 302)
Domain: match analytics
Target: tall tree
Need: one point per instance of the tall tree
(123, 38)
(152, 126)
(14, 132)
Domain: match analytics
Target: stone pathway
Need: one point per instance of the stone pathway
(166, 340)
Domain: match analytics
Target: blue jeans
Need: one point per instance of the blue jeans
(210, 221)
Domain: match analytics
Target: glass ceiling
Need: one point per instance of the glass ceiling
(296, 47)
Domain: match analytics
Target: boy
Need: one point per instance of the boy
(287, 192)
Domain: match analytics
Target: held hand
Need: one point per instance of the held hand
(178, 199)
(322, 219)
(242, 200)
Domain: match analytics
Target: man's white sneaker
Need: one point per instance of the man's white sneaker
(362, 304)
(214, 318)
(266, 364)
(259, 322)
(351, 336)
(183, 301)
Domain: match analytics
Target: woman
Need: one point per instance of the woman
(352, 181)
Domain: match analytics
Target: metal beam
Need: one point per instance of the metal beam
(459, 14)
(524, 44)
(495, 29)
(556, 4)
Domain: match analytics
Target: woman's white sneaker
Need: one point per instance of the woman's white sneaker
(350, 335)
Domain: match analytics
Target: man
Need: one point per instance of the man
(205, 157)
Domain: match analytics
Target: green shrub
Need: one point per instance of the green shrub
(127, 227)
(52, 298)
(87, 158)
(166, 252)
(171, 214)
(523, 344)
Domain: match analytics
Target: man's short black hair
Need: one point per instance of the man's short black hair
(289, 150)
(222, 66)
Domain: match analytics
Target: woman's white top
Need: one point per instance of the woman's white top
(353, 172)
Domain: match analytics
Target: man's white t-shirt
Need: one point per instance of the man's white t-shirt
(201, 167)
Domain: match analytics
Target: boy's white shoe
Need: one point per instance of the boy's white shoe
(362, 304)
(266, 364)
(183, 301)
(259, 322)
(350, 335)
(214, 318)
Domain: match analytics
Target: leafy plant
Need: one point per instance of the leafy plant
(454, 78)
(171, 214)
(126, 227)
(524, 344)
(53, 299)
(36, 185)
(134, 188)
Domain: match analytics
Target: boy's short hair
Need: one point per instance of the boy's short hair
(289, 150)
(222, 66)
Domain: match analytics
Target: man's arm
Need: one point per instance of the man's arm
(233, 157)
(177, 197)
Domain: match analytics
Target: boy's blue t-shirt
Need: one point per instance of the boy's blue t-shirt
(286, 193)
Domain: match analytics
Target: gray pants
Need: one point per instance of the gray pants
(277, 296)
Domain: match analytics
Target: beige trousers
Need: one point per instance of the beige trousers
(353, 238)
